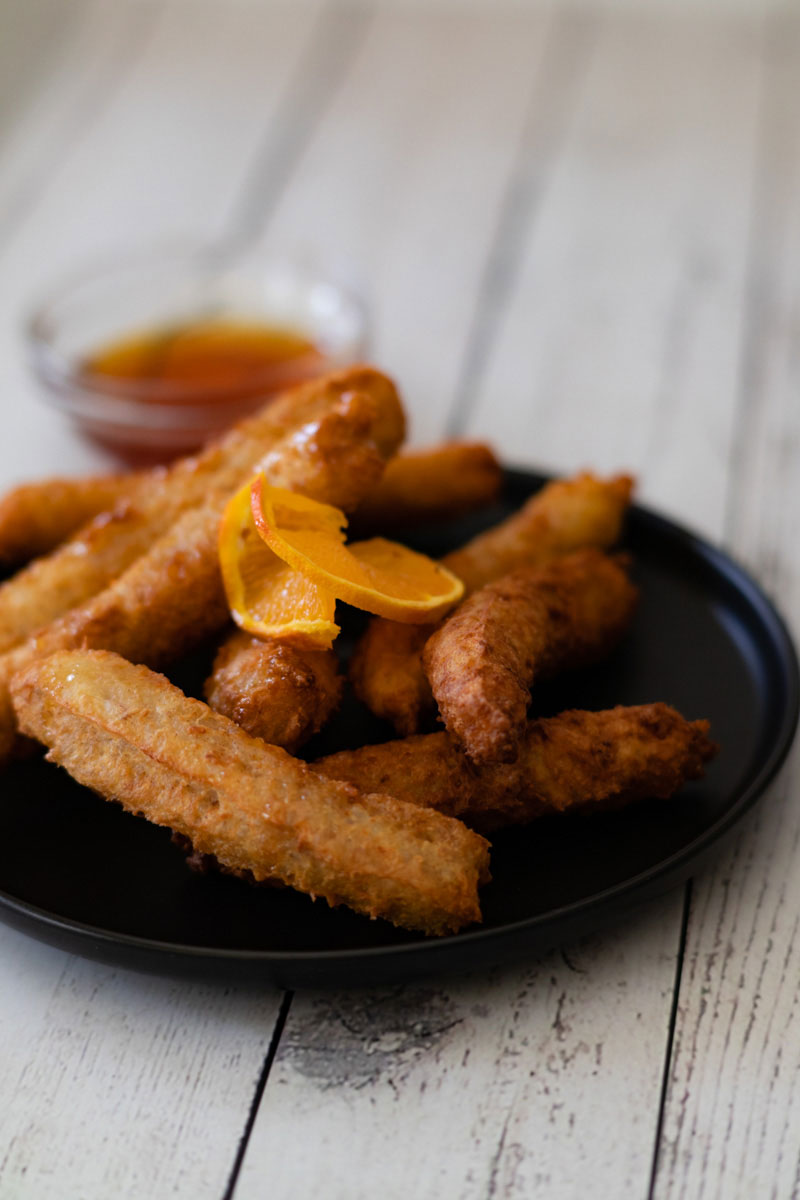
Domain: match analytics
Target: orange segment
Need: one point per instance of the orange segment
(382, 577)
(266, 597)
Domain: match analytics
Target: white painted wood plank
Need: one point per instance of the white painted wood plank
(733, 1105)
(403, 183)
(479, 1126)
(526, 1112)
(114, 1084)
(641, 367)
(509, 1085)
(32, 33)
(117, 1084)
(100, 45)
(620, 346)
(166, 153)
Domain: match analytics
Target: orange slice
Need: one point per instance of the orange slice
(266, 597)
(382, 577)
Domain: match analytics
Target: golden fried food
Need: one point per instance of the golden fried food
(134, 738)
(565, 515)
(166, 602)
(524, 627)
(587, 761)
(435, 483)
(281, 693)
(37, 517)
(102, 550)
(338, 454)
(172, 597)
(386, 669)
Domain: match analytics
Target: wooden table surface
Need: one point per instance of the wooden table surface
(580, 236)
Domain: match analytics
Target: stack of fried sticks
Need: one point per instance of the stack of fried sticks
(127, 579)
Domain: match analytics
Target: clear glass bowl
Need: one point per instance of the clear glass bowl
(153, 419)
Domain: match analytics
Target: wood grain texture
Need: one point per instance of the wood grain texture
(610, 195)
(156, 150)
(620, 343)
(473, 1146)
(733, 1104)
(500, 1086)
(580, 234)
(122, 1085)
(402, 182)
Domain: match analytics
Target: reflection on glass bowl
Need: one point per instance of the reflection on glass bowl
(154, 354)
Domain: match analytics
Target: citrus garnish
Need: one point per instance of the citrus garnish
(380, 576)
(266, 597)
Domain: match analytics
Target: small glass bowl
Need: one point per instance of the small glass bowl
(154, 420)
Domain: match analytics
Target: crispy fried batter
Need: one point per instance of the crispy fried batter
(436, 483)
(171, 598)
(37, 517)
(134, 738)
(566, 515)
(275, 691)
(386, 668)
(526, 626)
(280, 693)
(102, 550)
(576, 761)
(337, 460)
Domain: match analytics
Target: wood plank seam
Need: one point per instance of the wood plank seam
(673, 1021)
(571, 39)
(743, 426)
(269, 1058)
(335, 39)
(127, 41)
(331, 49)
(751, 413)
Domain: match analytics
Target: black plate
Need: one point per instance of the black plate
(80, 873)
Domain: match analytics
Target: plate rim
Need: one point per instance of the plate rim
(433, 955)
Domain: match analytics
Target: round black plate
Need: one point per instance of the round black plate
(78, 872)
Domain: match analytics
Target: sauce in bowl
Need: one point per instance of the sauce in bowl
(214, 365)
(203, 362)
(155, 354)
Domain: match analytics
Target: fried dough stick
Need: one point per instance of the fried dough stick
(435, 483)
(284, 694)
(386, 669)
(429, 484)
(525, 627)
(280, 693)
(37, 517)
(587, 761)
(134, 738)
(103, 549)
(276, 691)
(172, 598)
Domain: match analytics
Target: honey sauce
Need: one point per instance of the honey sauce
(208, 366)
(205, 360)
